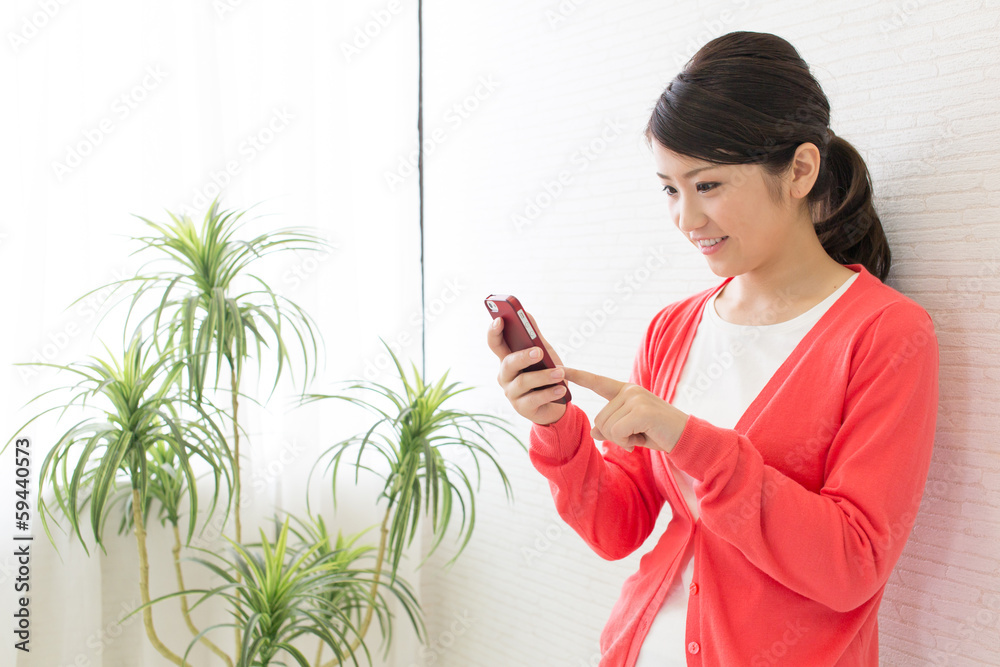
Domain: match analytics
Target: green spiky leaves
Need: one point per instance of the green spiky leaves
(139, 422)
(413, 432)
(297, 585)
(209, 304)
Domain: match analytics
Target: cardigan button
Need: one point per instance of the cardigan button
(693, 648)
(693, 588)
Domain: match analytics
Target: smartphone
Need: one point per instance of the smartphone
(520, 335)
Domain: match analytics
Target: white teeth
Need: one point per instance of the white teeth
(706, 243)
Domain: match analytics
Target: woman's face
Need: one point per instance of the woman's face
(709, 201)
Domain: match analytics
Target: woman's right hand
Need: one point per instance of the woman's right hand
(519, 387)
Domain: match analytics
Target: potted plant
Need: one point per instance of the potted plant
(151, 431)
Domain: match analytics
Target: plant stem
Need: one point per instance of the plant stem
(184, 605)
(375, 581)
(235, 388)
(319, 653)
(147, 611)
(237, 489)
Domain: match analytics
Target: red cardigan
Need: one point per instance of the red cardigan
(805, 505)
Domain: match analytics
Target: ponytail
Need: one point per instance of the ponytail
(848, 225)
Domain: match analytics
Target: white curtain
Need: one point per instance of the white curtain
(115, 108)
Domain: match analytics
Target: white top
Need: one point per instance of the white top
(727, 366)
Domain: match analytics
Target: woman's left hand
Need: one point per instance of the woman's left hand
(634, 416)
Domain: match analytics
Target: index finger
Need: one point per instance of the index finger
(552, 352)
(605, 387)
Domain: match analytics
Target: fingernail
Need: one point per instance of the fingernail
(496, 323)
(536, 353)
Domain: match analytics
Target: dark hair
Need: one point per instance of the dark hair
(749, 98)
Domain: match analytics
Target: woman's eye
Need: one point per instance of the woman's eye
(701, 187)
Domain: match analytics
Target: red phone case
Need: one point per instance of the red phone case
(520, 335)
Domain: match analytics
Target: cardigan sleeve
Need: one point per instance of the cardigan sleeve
(608, 496)
(837, 546)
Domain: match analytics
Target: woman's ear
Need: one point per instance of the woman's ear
(805, 170)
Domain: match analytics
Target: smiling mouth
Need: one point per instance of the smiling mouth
(708, 243)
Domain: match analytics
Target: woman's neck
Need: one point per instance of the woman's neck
(783, 292)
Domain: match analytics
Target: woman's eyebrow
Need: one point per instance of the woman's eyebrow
(690, 173)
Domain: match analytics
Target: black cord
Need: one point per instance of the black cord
(420, 176)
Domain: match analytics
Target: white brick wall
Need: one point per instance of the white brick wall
(913, 84)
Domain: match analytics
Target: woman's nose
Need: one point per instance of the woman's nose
(688, 216)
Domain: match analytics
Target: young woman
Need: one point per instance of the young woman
(786, 415)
